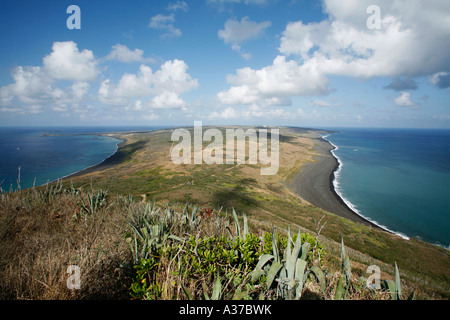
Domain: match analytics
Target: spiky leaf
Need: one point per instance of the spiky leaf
(275, 246)
(319, 275)
(398, 289)
(236, 222)
(300, 276)
(273, 271)
(341, 289)
(217, 289)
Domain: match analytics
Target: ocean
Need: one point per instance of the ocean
(397, 178)
(48, 154)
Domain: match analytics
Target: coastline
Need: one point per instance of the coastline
(315, 184)
(113, 160)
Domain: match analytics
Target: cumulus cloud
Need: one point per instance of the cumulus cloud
(410, 34)
(36, 87)
(164, 85)
(66, 62)
(274, 84)
(167, 100)
(79, 89)
(122, 53)
(39, 88)
(404, 100)
(31, 86)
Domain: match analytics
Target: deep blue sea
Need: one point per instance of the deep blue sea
(47, 154)
(397, 178)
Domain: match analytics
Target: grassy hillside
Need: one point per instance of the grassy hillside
(43, 226)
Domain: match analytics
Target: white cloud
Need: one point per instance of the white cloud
(165, 22)
(66, 62)
(167, 100)
(31, 86)
(122, 53)
(299, 38)
(79, 89)
(36, 88)
(173, 76)
(239, 31)
(411, 33)
(274, 84)
(138, 106)
(404, 100)
(165, 86)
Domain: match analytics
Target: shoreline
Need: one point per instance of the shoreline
(315, 184)
(113, 160)
(335, 188)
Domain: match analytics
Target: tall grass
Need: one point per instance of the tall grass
(43, 231)
(135, 250)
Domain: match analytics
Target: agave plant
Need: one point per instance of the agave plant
(217, 290)
(290, 272)
(94, 202)
(239, 234)
(345, 279)
(151, 231)
(50, 193)
(394, 287)
(193, 219)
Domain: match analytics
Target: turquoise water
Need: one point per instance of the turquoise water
(397, 178)
(43, 158)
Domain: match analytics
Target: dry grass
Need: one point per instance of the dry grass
(150, 174)
(41, 237)
(42, 232)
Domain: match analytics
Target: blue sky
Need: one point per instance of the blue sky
(271, 62)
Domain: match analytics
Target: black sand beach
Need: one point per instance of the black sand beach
(314, 183)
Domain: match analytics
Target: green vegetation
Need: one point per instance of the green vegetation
(132, 234)
(136, 250)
